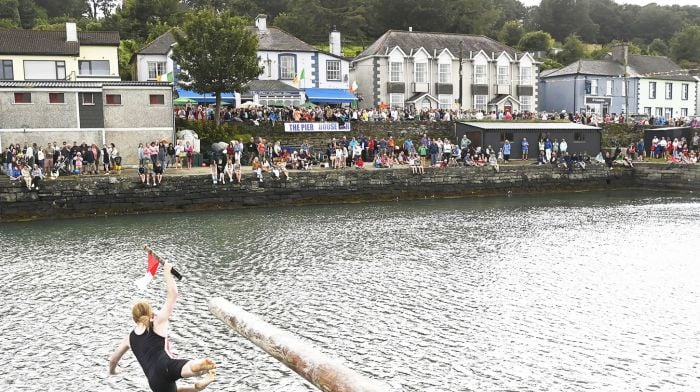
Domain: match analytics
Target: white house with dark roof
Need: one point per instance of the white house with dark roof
(59, 55)
(293, 71)
(420, 70)
(652, 85)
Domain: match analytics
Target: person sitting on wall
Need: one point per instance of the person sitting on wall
(37, 175)
(157, 173)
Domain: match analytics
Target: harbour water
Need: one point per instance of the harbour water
(575, 292)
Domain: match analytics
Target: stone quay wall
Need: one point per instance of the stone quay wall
(71, 197)
(662, 177)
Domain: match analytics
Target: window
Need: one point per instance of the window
(652, 90)
(480, 74)
(579, 137)
(684, 112)
(623, 91)
(594, 87)
(288, 67)
(88, 99)
(99, 67)
(668, 113)
(113, 99)
(420, 73)
(502, 77)
(480, 102)
(647, 110)
(57, 98)
(445, 101)
(44, 70)
(668, 91)
(525, 75)
(396, 101)
(684, 91)
(23, 97)
(445, 73)
(155, 99)
(155, 69)
(6, 70)
(396, 72)
(333, 70)
(525, 103)
(659, 112)
(608, 87)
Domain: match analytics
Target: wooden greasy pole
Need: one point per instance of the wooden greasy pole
(327, 374)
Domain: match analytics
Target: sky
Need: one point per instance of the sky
(637, 2)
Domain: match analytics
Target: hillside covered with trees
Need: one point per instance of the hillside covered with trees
(572, 25)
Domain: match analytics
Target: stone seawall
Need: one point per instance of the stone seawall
(114, 195)
(661, 177)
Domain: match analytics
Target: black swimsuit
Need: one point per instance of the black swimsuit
(161, 370)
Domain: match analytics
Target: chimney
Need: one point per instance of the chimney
(71, 32)
(261, 22)
(620, 53)
(334, 41)
(410, 28)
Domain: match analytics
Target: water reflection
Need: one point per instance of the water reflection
(580, 292)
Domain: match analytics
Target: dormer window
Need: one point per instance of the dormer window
(445, 73)
(502, 76)
(480, 74)
(396, 71)
(420, 72)
(525, 75)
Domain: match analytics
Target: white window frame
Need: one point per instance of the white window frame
(608, 87)
(14, 98)
(90, 71)
(480, 76)
(155, 69)
(526, 103)
(594, 86)
(420, 76)
(396, 100)
(7, 71)
(59, 68)
(333, 70)
(445, 101)
(652, 90)
(287, 67)
(668, 113)
(63, 98)
(396, 71)
(445, 73)
(502, 75)
(659, 112)
(624, 89)
(114, 104)
(668, 91)
(88, 102)
(481, 102)
(525, 76)
(685, 87)
(647, 110)
(684, 112)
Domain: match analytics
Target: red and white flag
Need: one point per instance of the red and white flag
(151, 270)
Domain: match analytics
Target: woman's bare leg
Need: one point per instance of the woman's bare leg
(198, 386)
(197, 367)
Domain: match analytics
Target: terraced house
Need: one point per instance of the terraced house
(65, 86)
(419, 70)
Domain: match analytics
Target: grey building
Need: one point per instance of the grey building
(579, 138)
(123, 113)
(422, 70)
(622, 83)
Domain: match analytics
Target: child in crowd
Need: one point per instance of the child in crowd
(237, 171)
(257, 168)
(213, 171)
(78, 163)
(228, 170)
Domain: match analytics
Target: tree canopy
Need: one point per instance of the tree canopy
(216, 52)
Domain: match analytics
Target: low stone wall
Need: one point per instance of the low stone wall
(665, 177)
(113, 195)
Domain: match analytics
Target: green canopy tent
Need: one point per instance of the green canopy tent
(308, 105)
(184, 101)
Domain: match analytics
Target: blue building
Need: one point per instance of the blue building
(621, 83)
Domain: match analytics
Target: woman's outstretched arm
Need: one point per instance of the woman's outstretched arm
(117, 355)
(161, 320)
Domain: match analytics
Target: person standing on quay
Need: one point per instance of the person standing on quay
(525, 148)
(506, 151)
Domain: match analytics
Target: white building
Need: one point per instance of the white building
(408, 69)
(293, 71)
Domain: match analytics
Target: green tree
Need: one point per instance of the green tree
(127, 49)
(536, 41)
(471, 17)
(95, 8)
(29, 13)
(217, 53)
(654, 21)
(71, 8)
(657, 47)
(133, 18)
(685, 45)
(9, 13)
(573, 50)
(511, 33)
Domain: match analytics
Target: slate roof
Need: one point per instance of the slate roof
(529, 126)
(160, 45)
(272, 39)
(656, 67)
(52, 42)
(279, 40)
(435, 42)
(270, 86)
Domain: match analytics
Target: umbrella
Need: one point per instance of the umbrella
(219, 147)
(183, 101)
(249, 104)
